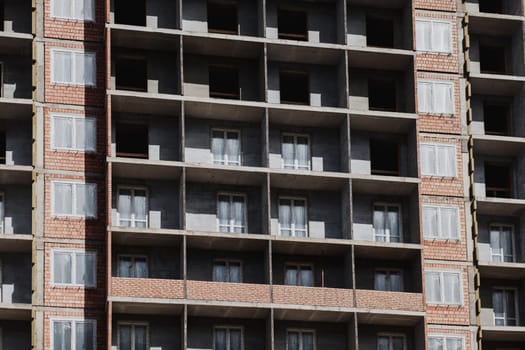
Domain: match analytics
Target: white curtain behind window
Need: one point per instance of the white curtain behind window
(452, 288)
(235, 272)
(380, 280)
(140, 208)
(238, 214)
(303, 152)
(285, 217)
(299, 218)
(441, 36)
(430, 221)
(61, 335)
(63, 132)
(308, 341)
(235, 339)
(423, 35)
(379, 223)
(449, 222)
(288, 152)
(217, 147)
(62, 267)
(428, 160)
(124, 207)
(140, 337)
(124, 337)
(220, 339)
(219, 271)
(63, 196)
(233, 148)
(433, 287)
(84, 336)
(293, 341)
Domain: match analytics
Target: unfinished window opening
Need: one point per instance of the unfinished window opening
(1, 15)
(132, 140)
(498, 180)
(379, 32)
(130, 12)
(222, 17)
(294, 87)
(131, 74)
(496, 119)
(224, 82)
(382, 95)
(492, 59)
(492, 6)
(292, 25)
(384, 157)
(2, 147)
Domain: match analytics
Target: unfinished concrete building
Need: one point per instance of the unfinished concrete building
(262, 174)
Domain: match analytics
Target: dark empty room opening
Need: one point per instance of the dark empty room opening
(379, 32)
(492, 6)
(224, 82)
(2, 15)
(498, 180)
(492, 59)
(382, 94)
(132, 140)
(384, 157)
(131, 12)
(294, 87)
(292, 25)
(222, 17)
(131, 74)
(496, 118)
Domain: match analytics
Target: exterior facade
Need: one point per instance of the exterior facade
(262, 174)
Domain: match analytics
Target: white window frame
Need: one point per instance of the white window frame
(295, 165)
(133, 257)
(442, 289)
(516, 305)
(435, 146)
(298, 266)
(73, 199)
(432, 111)
(133, 219)
(228, 328)
(292, 228)
(388, 272)
(2, 218)
(73, 133)
(132, 324)
(301, 331)
(1, 282)
(231, 226)
(91, 18)
(385, 205)
(512, 238)
(440, 234)
(73, 65)
(390, 336)
(73, 252)
(432, 49)
(444, 337)
(74, 321)
(1, 79)
(227, 161)
(227, 263)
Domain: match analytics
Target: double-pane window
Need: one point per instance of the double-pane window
(74, 199)
(387, 222)
(226, 147)
(73, 334)
(299, 275)
(436, 342)
(231, 213)
(296, 151)
(227, 338)
(77, 268)
(388, 280)
(292, 217)
(134, 266)
(504, 303)
(2, 213)
(132, 207)
(390, 342)
(433, 36)
(227, 271)
(300, 340)
(440, 222)
(74, 133)
(501, 243)
(443, 287)
(435, 97)
(133, 336)
(82, 10)
(73, 67)
(438, 159)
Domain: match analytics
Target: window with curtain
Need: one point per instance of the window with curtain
(73, 67)
(132, 207)
(74, 334)
(133, 336)
(76, 268)
(132, 266)
(296, 151)
(231, 213)
(501, 243)
(388, 280)
(443, 287)
(505, 306)
(74, 199)
(293, 217)
(433, 36)
(226, 146)
(435, 97)
(227, 271)
(390, 342)
(2, 212)
(81, 10)
(438, 159)
(298, 339)
(438, 342)
(228, 338)
(73, 133)
(440, 222)
(387, 222)
(299, 275)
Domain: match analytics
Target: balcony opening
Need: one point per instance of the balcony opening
(1, 15)
(492, 59)
(131, 12)
(2, 147)
(498, 180)
(382, 95)
(294, 87)
(496, 119)
(379, 32)
(491, 6)
(222, 17)
(292, 25)
(132, 140)
(131, 74)
(224, 82)
(384, 158)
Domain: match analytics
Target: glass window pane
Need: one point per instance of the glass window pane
(235, 272)
(219, 271)
(303, 152)
(62, 267)
(235, 339)
(395, 282)
(125, 337)
(233, 148)
(140, 208)
(84, 336)
(141, 268)
(308, 341)
(220, 339)
(125, 267)
(288, 152)
(290, 276)
(218, 146)
(306, 276)
(293, 340)
(63, 195)
(61, 335)
(239, 213)
(379, 223)
(140, 338)
(223, 212)
(380, 280)
(285, 216)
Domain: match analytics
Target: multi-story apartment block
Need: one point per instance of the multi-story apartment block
(262, 174)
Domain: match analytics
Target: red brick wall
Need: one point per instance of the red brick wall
(147, 288)
(437, 5)
(217, 291)
(313, 296)
(373, 299)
